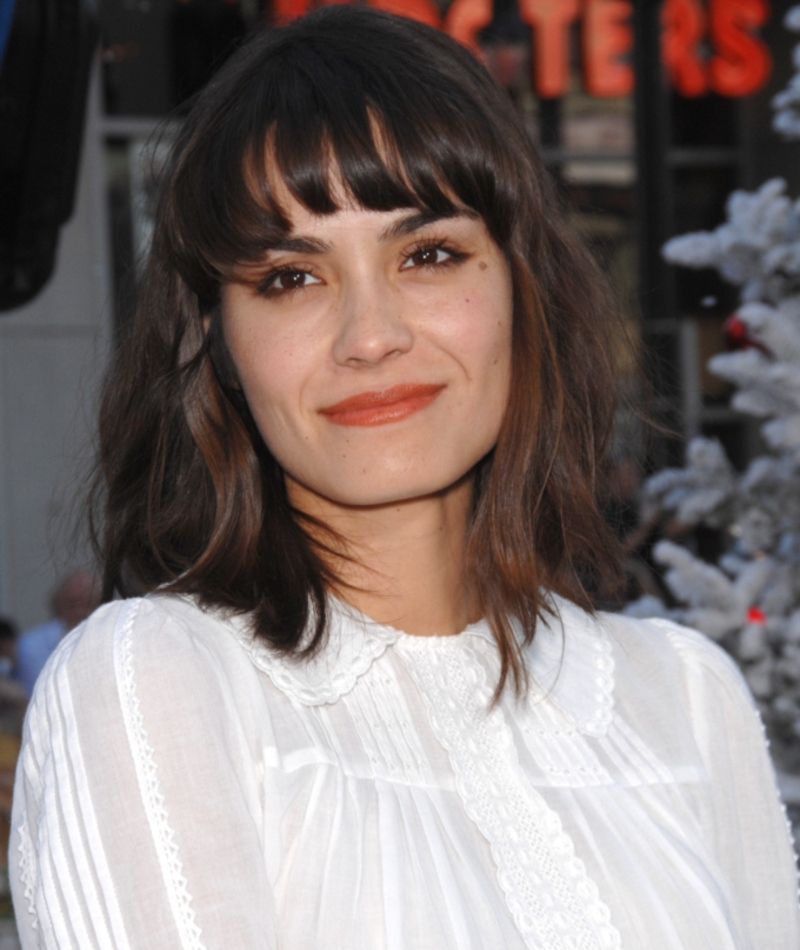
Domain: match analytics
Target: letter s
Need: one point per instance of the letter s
(742, 62)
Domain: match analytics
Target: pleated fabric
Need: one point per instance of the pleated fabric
(181, 786)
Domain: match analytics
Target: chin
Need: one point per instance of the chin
(376, 487)
(370, 496)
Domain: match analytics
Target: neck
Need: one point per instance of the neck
(405, 561)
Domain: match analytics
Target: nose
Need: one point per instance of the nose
(373, 323)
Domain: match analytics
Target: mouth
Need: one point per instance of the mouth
(381, 407)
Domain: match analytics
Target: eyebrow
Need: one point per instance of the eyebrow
(421, 219)
(403, 226)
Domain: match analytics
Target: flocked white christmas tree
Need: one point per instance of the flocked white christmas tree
(750, 600)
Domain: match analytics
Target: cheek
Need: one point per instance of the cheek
(261, 354)
(271, 371)
(482, 332)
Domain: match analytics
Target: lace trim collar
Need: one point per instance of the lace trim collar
(571, 660)
(354, 643)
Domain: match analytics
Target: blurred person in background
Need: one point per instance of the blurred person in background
(75, 597)
(13, 701)
(13, 696)
(8, 647)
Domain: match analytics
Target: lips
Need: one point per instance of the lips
(381, 407)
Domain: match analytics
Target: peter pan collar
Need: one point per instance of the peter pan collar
(571, 660)
(354, 643)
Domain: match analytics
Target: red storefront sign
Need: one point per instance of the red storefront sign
(706, 47)
(739, 63)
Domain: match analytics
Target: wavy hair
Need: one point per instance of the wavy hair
(188, 497)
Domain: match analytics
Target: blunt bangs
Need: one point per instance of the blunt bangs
(321, 108)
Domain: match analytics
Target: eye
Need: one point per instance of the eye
(284, 280)
(434, 254)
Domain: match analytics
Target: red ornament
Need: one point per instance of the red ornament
(756, 615)
(735, 331)
(738, 335)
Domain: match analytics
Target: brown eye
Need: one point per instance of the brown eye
(433, 255)
(426, 256)
(286, 280)
(291, 279)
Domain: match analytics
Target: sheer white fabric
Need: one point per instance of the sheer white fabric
(180, 786)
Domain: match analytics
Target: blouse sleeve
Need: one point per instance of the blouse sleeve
(749, 827)
(137, 819)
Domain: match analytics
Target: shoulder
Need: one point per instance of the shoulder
(688, 651)
(674, 687)
(676, 665)
(598, 666)
(157, 672)
(159, 639)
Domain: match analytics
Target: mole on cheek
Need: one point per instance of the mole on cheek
(483, 265)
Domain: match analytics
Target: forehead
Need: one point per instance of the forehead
(317, 187)
(347, 212)
(382, 226)
(350, 218)
(326, 175)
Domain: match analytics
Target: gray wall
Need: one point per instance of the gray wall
(52, 353)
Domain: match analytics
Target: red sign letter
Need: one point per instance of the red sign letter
(423, 10)
(742, 62)
(465, 18)
(285, 10)
(607, 37)
(684, 23)
(550, 20)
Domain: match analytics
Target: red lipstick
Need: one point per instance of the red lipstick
(381, 407)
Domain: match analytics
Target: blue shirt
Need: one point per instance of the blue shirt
(34, 646)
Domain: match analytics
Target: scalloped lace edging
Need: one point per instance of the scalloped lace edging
(27, 871)
(147, 775)
(553, 901)
(325, 678)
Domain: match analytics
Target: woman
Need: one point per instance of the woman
(349, 454)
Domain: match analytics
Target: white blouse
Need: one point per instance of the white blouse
(180, 786)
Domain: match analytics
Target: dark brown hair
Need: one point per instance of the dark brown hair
(188, 497)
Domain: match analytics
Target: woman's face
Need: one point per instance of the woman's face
(374, 351)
